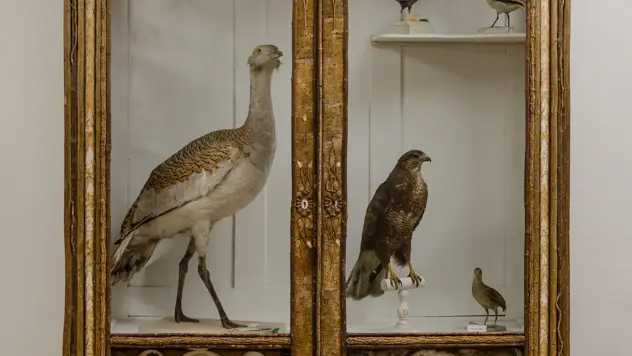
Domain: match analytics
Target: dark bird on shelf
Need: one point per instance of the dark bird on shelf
(391, 218)
(486, 296)
(505, 7)
(209, 179)
(406, 4)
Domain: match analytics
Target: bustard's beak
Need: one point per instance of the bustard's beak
(277, 54)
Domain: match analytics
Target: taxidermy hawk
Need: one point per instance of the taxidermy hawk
(390, 220)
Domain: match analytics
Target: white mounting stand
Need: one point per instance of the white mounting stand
(402, 292)
(411, 24)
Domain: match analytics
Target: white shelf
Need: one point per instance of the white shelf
(449, 38)
(454, 324)
(160, 325)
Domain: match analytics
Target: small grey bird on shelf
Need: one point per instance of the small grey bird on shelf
(391, 218)
(486, 296)
(505, 7)
(207, 180)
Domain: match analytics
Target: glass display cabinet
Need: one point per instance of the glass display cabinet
(317, 177)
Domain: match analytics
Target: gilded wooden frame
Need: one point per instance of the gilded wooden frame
(546, 192)
(87, 186)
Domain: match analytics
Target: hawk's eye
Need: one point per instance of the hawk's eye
(257, 50)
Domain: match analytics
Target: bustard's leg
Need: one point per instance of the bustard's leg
(496, 312)
(201, 236)
(183, 268)
(497, 15)
(486, 312)
(508, 19)
(205, 275)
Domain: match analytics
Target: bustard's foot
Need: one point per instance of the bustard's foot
(228, 324)
(181, 318)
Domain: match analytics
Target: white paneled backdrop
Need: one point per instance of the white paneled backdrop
(464, 105)
(178, 72)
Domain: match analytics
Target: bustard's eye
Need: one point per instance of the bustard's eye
(257, 50)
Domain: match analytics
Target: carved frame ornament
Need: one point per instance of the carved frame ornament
(546, 198)
(318, 218)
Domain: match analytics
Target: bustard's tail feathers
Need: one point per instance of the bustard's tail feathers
(131, 254)
(366, 277)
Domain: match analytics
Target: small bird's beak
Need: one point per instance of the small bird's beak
(277, 54)
(425, 158)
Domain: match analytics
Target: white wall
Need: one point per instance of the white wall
(601, 178)
(31, 177)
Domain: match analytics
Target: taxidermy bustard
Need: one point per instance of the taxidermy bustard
(207, 180)
(486, 296)
(391, 218)
(505, 7)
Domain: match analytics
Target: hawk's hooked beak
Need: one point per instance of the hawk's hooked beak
(425, 158)
(277, 54)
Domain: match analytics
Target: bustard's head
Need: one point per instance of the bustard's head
(478, 272)
(265, 57)
(413, 159)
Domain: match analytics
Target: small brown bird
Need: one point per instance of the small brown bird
(391, 218)
(486, 296)
(406, 4)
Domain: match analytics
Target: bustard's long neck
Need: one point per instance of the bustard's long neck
(260, 115)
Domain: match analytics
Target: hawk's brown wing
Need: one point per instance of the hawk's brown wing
(374, 215)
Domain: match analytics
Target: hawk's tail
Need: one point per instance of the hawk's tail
(131, 254)
(366, 276)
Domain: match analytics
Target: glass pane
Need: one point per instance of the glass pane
(182, 69)
(453, 89)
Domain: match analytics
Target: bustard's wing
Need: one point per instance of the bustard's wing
(186, 176)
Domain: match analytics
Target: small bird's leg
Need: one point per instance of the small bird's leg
(205, 275)
(184, 267)
(414, 276)
(395, 281)
(497, 15)
(496, 312)
(486, 312)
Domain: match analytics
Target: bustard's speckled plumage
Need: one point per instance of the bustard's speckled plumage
(207, 180)
(505, 7)
(391, 218)
(486, 296)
